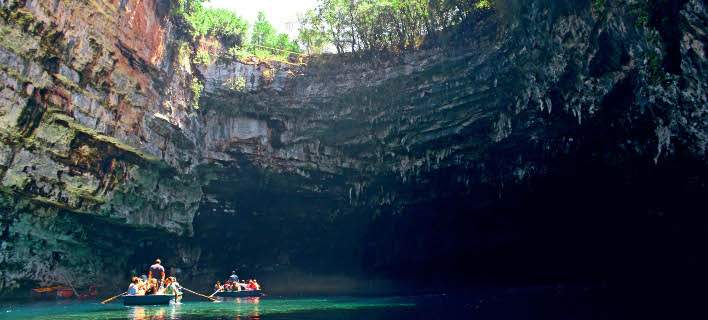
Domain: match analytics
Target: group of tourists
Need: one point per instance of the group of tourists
(154, 283)
(234, 284)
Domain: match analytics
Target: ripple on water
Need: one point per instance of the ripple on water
(244, 308)
(545, 302)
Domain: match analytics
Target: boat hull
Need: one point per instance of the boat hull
(149, 300)
(65, 293)
(240, 294)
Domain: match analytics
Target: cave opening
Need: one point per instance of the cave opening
(485, 155)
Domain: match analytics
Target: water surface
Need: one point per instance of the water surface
(245, 308)
(509, 304)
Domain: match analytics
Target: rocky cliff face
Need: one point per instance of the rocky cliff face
(325, 168)
(93, 117)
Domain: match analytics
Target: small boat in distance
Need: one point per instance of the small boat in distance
(62, 292)
(240, 294)
(233, 288)
(148, 300)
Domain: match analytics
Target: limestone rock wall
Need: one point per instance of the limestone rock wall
(336, 160)
(529, 85)
(95, 122)
(427, 145)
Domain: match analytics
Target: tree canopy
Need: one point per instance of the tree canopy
(353, 25)
(264, 37)
(343, 25)
(261, 40)
(210, 21)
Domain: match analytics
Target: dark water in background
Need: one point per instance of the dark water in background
(530, 303)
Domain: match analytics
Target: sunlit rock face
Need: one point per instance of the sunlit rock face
(95, 131)
(500, 150)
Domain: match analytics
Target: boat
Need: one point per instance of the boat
(240, 294)
(62, 292)
(45, 293)
(148, 300)
(65, 293)
(92, 293)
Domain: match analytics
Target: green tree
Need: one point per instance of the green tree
(352, 25)
(220, 23)
(312, 34)
(334, 15)
(266, 41)
(263, 31)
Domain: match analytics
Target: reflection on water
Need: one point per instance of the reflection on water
(507, 304)
(246, 308)
(141, 313)
(154, 312)
(254, 308)
(251, 308)
(250, 300)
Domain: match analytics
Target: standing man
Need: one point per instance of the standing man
(157, 270)
(233, 277)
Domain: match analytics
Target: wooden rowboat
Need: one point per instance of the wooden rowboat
(45, 293)
(240, 294)
(65, 293)
(148, 300)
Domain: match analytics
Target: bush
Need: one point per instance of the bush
(236, 83)
(220, 23)
(197, 88)
(202, 57)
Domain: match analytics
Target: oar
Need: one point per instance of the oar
(215, 292)
(113, 298)
(199, 294)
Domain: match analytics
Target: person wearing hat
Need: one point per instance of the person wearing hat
(157, 270)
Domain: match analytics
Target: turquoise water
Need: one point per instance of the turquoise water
(530, 303)
(243, 308)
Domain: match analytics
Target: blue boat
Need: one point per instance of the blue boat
(149, 300)
(240, 294)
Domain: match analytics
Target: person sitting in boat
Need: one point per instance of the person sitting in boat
(152, 287)
(218, 286)
(134, 287)
(176, 284)
(143, 285)
(237, 286)
(251, 285)
(256, 285)
(172, 287)
(157, 271)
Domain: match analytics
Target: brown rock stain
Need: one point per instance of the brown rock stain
(142, 31)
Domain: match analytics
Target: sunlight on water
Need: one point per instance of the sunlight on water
(245, 308)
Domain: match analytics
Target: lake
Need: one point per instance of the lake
(536, 303)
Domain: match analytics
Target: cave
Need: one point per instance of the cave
(546, 150)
